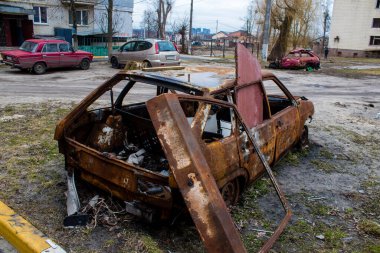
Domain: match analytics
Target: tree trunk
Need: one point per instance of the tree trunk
(75, 25)
(159, 18)
(163, 20)
(110, 28)
(281, 46)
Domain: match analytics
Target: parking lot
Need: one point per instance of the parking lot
(333, 186)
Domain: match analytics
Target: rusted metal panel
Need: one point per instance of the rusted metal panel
(249, 90)
(193, 176)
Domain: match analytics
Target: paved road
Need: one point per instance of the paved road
(74, 84)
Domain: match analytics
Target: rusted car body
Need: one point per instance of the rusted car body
(300, 58)
(185, 144)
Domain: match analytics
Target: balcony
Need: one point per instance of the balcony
(80, 2)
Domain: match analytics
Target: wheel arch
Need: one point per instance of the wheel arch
(240, 174)
(46, 65)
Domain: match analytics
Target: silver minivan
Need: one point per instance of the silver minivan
(151, 52)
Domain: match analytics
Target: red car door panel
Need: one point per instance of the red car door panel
(68, 58)
(51, 55)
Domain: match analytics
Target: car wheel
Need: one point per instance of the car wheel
(230, 192)
(85, 64)
(115, 63)
(146, 64)
(39, 68)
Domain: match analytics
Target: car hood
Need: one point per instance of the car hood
(16, 53)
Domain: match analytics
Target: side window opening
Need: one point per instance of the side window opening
(277, 99)
(129, 47)
(218, 125)
(50, 48)
(64, 48)
(143, 45)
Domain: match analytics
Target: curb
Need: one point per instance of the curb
(22, 235)
(100, 57)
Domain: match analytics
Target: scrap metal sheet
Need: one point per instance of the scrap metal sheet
(193, 176)
(249, 90)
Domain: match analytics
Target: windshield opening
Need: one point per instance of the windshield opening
(28, 46)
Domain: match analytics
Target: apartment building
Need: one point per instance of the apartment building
(24, 19)
(355, 28)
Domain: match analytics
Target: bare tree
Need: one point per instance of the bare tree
(109, 21)
(326, 24)
(249, 19)
(182, 27)
(149, 23)
(163, 9)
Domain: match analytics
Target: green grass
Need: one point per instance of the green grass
(334, 236)
(325, 166)
(370, 227)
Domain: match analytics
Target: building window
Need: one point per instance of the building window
(374, 41)
(81, 17)
(378, 4)
(376, 22)
(40, 15)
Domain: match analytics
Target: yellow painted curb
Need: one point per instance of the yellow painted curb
(22, 235)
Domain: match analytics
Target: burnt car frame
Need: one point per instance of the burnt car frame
(298, 59)
(198, 141)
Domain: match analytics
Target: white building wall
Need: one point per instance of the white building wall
(352, 22)
(57, 15)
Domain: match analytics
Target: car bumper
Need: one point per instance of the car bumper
(158, 63)
(12, 64)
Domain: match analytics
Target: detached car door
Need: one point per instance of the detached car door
(67, 58)
(191, 170)
(51, 55)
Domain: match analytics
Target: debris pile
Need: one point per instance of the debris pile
(105, 212)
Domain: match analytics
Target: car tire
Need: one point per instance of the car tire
(230, 192)
(146, 64)
(84, 64)
(39, 68)
(115, 63)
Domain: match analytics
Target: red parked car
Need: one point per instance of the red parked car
(300, 58)
(37, 55)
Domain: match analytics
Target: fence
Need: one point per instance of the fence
(98, 45)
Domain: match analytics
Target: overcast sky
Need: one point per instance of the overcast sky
(228, 13)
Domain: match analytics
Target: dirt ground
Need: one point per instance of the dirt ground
(333, 186)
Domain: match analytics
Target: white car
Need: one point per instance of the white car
(151, 52)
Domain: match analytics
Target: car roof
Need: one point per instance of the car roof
(300, 50)
(149, 40)
(200, 81)
(47, 41)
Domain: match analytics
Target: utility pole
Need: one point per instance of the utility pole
(325, 20)
(191, 27)
(216, 30)
(264, 49)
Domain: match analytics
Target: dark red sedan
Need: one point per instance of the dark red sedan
(38, 55)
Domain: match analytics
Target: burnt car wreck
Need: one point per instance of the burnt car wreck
(184, 145)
